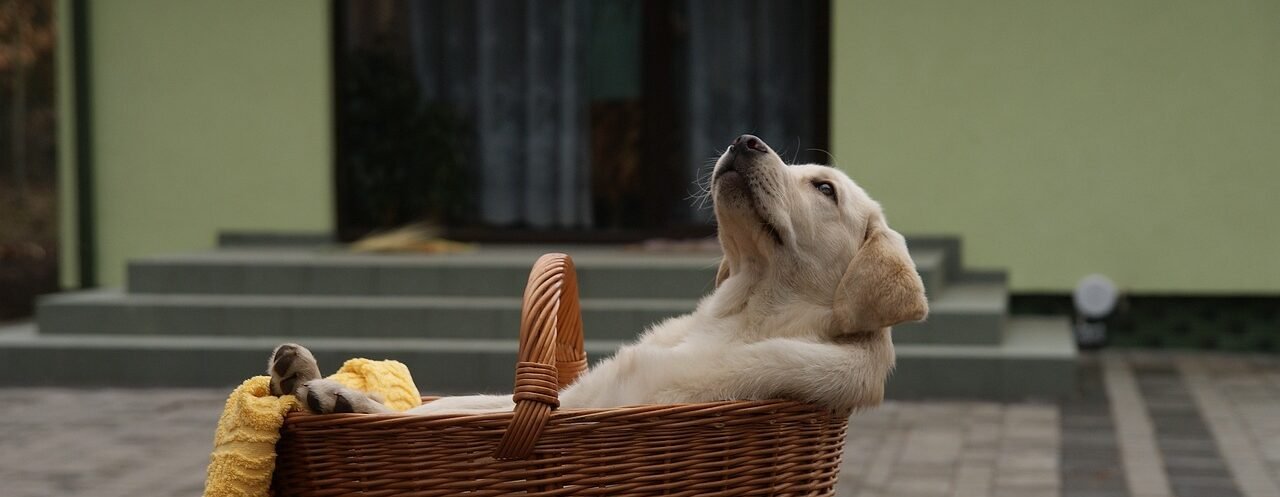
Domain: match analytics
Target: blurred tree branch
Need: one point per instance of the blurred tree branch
(27, 31)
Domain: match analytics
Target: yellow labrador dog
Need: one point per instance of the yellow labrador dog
(812, 279)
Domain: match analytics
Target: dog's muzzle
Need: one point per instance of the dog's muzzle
(742, 154)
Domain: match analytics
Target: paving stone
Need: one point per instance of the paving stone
(986, 410)
(973, 481)
(1017, 460)
(980, 455)
(1109, 478)
(1032, 413)
(1108, 463)
(1048, 478)
(128, 443)
(928, 471)
(1026, 492)
(1048, 432)
(1270, 449)
(932, 446)
(1048, 442)
(920, 486)
(1093, 439)
(1189, 490)
(1088, 422)
(882, 467)
(1195, 463)
(982, 434)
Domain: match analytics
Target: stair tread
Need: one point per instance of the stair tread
(1034, 336)
(520, 257)
(976, 296)
(117, 296)
(959, 297)
(513, 260)
(1048, 337)
(605, 272)
(31, 338)
(928, 257)
(970, 313)
(1035, 362)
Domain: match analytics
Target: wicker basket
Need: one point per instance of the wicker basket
(721, 448)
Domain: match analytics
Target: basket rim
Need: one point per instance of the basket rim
(724, 408)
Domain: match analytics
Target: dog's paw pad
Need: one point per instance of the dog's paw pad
(315, 401)
(291, 366)
(328, 396)
(342, 404)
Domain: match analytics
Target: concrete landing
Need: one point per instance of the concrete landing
(1036, 360)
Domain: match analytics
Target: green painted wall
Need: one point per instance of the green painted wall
(207, 116)
(68, 269)
(1137, 138)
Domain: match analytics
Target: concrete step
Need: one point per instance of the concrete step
(28, 358)
(275, 239)
(1036, 362)
(111, 312)
(949, 248)
(970, 312)
(931, 263)
(488, 272)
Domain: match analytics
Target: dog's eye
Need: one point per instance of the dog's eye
(825, 188)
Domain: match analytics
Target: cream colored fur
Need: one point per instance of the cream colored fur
(809, 285)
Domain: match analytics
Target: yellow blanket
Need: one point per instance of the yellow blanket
(244, 446)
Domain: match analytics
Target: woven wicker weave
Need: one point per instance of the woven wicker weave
(779, 448)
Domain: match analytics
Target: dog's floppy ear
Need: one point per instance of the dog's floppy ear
(881, 287)
(722, 273)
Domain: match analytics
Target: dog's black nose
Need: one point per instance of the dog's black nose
(749, 143)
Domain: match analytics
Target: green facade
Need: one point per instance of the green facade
(206, 116)
(1136, 138)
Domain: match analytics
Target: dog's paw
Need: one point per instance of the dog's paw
(328, 396)
(294, 372)
(291, 366)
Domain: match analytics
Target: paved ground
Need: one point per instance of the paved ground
(1142, 424)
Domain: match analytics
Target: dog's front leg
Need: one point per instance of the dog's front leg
(468, 404)
(838, 377)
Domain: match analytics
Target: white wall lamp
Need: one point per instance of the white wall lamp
(1095, 299)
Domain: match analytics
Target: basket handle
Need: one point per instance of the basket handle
(551, 354)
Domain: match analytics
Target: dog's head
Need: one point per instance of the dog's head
(809, 232)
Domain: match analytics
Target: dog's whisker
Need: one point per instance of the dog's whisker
(834, 162)
(702, 183)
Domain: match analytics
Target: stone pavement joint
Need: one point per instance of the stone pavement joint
(1143, 464)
